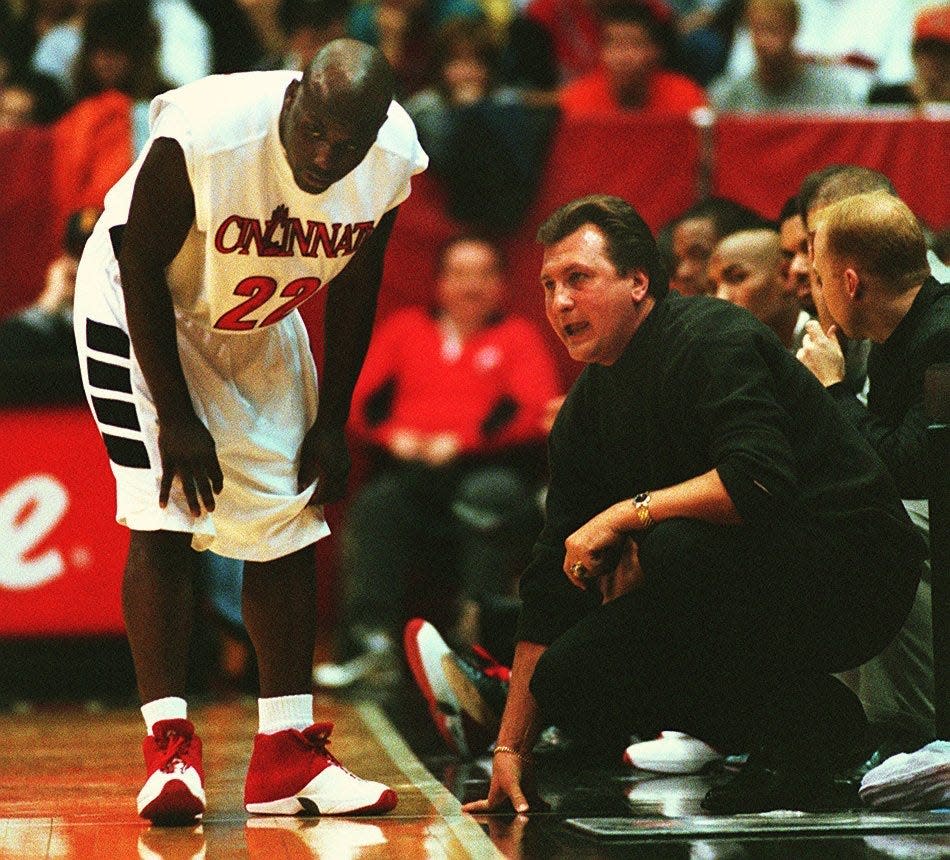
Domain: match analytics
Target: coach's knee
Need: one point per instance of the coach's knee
(551, 682)
(685, 554)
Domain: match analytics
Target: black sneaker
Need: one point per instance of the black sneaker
(762, 786)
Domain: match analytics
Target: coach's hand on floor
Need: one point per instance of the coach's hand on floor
(187, 450)
(512, 785)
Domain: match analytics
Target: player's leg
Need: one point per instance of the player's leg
(279, 606)
(157, 591)
(158, 605)
(291, 771)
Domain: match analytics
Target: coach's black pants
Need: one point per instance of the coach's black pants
(731, 637)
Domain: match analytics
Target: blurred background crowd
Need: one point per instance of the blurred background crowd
(587, 55)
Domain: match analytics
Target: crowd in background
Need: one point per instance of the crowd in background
(485, 81)
(587, 55)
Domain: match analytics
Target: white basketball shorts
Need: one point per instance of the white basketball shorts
(255, 392)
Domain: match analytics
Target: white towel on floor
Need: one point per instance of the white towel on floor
(917, 780)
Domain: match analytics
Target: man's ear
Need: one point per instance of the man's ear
(639, 284)
(853, 284)
(282, 121)
(290, 92)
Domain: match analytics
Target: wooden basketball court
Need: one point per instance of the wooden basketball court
(69, 777)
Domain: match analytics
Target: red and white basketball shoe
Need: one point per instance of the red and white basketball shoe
(174, 791)
(425, 649)
(293, 773)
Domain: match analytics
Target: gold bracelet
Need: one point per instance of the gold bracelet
(501, 748)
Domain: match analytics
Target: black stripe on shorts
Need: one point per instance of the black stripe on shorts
(126, 452)
(116, 413)
(115, 235)
(107, 338)
(113, 377)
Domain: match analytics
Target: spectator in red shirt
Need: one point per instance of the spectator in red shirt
(635, 41)
(453, 401)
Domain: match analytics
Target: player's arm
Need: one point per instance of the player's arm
(348, 323)
(160, 215)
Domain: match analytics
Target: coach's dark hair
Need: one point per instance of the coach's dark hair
(728, 216)
(630, 244)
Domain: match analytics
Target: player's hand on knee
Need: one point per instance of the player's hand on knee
(324, 458)
(188, 451)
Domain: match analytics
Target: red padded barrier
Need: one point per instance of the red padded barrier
(27, 215)
(760, 161)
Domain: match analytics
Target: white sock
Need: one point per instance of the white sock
(169, 708)
(285, 712)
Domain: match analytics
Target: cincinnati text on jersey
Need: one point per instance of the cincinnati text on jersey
(282, 235)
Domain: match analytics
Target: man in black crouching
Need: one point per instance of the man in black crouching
(719, 540)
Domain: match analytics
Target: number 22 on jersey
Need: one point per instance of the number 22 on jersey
(259, 289)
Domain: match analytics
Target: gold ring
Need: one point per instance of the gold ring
(578, 569)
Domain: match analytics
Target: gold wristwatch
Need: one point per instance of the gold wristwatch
(641, 504)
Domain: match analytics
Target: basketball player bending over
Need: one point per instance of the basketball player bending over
(254, 191)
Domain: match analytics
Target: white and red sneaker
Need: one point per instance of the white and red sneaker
(672, 752)
(293, 773)
(174, 791)
(425, 649)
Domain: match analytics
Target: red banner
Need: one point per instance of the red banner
(61, 551)
(760, 161)
(27, 215)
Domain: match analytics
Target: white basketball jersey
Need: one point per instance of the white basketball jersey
(260, 246)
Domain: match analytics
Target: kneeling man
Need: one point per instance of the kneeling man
(719, 540)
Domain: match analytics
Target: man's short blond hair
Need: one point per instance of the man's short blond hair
(788, 8)
(879, 235)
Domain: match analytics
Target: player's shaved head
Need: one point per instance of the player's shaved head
(350, 78)
(331, 117)
(747, 270)
(761, 247)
